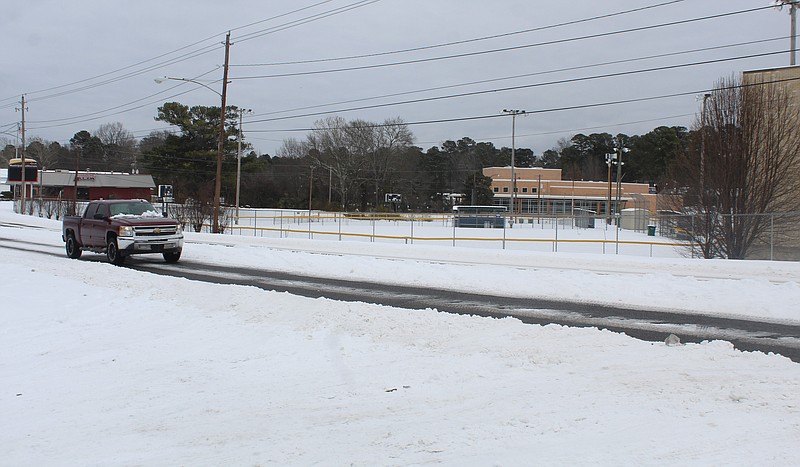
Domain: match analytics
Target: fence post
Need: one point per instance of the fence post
(555, 245)
(771, 235)
(453, 220)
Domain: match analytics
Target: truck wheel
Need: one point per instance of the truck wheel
(73, 250)
(172, 257)
(113, 253)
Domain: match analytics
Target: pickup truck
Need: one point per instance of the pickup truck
(120, 228)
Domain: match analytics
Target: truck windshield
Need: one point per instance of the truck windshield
(139, 208)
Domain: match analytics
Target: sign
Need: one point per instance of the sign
(393, 198)
(15, 173)
(165, 193)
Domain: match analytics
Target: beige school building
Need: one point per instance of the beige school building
(543, 192)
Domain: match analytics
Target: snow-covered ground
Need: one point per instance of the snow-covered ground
(105, 365)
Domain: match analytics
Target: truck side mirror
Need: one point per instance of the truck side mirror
(99, 216)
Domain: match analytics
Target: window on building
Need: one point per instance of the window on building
(496, 189)
(505, 189)
(525, 189)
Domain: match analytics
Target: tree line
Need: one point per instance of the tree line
(340, 165)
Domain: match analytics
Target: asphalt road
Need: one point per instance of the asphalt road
(744, 334)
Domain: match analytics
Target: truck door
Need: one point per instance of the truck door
(93, 230)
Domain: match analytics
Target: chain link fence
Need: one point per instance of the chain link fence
(778, 238)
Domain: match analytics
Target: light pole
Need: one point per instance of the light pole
(221, 144)
(792, 4)
(619, 150)
(239, 161)
(610, 158)
(513, 203)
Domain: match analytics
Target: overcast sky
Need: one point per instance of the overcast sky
(83, 64)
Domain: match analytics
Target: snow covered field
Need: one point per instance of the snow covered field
(105, 365)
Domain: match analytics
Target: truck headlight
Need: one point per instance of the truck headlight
(179, 229)
(126, 231)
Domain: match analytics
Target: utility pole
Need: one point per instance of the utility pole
(793, 42)
(310, 191)
(792, 4)
(77, 165)
(221, 146)
(22, 110)
(513, 204)
(610, 158)
(239, 163)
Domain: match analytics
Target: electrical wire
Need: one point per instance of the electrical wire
(544, 111)
(468, 94)
(520, 87)
(467, 41)
(525, 75)
(501, 49)
(302, 21)
(181, 58)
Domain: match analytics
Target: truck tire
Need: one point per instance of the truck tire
(112, 251)
(172, 257)
(73, 250)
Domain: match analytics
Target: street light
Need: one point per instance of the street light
(217, 184)
(619, 151)
(221, 145)
(188, 80)
(610, 158)
(239, 161)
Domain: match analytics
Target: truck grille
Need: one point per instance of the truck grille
(155, 230)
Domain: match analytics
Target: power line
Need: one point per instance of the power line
(467, 41)
(418, 100)
(525, 75)
(97, 113)
(502, 49)
(516, 88)
(300, 22)
(184, 57)
(548, 110)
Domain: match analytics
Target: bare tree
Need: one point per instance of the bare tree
(293, 149)
(331, 146)
(119, 146)
(354, 153)
(388, 142)
(744, 165)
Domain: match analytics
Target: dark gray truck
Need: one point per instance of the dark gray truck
(120, 228)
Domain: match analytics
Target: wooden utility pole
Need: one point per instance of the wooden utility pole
(77, 165)
(22, 109)
(221, 146)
